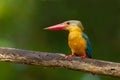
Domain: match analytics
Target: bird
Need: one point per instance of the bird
(78, 41)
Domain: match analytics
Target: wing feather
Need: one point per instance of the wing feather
(89, 48)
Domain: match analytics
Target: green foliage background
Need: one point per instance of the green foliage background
(22, 23)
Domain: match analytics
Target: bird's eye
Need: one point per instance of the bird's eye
(68, 23)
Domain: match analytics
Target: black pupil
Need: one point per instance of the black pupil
(68, 23)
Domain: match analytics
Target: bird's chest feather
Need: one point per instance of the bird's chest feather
(76, 41)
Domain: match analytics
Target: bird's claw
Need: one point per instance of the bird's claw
(83, 57)
(69, 56)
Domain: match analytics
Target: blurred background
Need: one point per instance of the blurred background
(22, 23)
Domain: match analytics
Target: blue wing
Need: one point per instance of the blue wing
(89, 48)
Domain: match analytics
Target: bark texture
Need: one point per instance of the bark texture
(58, 60)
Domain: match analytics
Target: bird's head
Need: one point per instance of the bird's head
(67, 25)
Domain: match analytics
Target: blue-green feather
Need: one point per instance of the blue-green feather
(89, 48)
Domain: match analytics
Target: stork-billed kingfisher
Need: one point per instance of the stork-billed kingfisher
(78, 41)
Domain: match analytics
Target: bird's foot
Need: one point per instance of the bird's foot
(69, 56)
(83, 56)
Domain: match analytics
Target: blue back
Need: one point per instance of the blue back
(89, 48)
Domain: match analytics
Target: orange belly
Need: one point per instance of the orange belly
(77, 43)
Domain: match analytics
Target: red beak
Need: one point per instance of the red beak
(57, 27)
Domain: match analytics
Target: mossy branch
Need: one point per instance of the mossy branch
(58, 60)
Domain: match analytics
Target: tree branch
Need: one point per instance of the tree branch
(58, 60)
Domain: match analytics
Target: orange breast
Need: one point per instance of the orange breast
(77, 43)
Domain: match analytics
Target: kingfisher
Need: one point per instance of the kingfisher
(78, 41)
